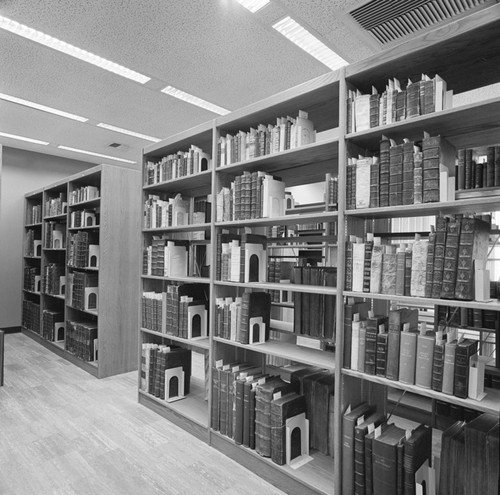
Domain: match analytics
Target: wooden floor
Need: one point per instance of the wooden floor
(62, 431)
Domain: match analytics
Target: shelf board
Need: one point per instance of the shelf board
(470, 205)
(189, 280)
(32, 292)
(85, 268)
(30, 225)
(325, 216)
(56, 217)
(427, 301)
(88, 202)
(193, 407)
(196, 182)
(91, 227)
(56, 296)
(33, 257)
(311, 289)
(314, 477)
(294, 166)
(194, 227)
(87, 311)
(202, 343)
(287, 350)
(490, 404)
(54, 249)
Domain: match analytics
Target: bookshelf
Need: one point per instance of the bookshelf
(83, 219)
(449, 52)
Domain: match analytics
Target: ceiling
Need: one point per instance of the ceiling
(214, 49)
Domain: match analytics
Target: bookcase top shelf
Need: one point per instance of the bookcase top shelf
(450, 51)
(426, 301)
(89, 202)
(288, 350)
(473, 205)
(471, 125)
(490, 404)
(294, 166)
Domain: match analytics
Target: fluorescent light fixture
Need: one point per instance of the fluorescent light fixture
(130, 133)
(62, 46)
(305, 40)
(76, 150)
(43, 108)
(253, 5)
(194, 100)
(22, 138)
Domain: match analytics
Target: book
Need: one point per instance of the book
(376, 266)
(452, 473)
(388, 283)
(464, 351)
(417, 450)
(407, 360)
(450, 258)
(283, 408)
(424, 357)
(254, 305)
(349, 420)
(381, 357)
(350, 309)
(449, 367)
(373, 327)
(438, 363)
(396, 320)
(385, 464)
(439, 252)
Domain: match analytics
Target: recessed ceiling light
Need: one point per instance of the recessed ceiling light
(194, 100)
(22, 138)
(305, 40)
(62, 46)
(76, 150)
(130, 133)
(43, 108)
(253, 5)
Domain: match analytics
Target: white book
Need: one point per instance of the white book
(273, 197)
(358, 265)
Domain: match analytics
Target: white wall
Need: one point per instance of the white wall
(21, 172)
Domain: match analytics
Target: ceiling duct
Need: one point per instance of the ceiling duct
(397, 19)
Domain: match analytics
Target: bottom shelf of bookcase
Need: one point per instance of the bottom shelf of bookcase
(490, 403)
(57, 348)
(190, 413)
(314, 477)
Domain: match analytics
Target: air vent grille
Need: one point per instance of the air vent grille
(390, 21)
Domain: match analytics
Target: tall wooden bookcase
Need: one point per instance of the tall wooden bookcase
(466, 55)
(99, 205)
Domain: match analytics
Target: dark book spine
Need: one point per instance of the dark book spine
(465, 350)
(439, 250)
(450, 259)
(437, 367)
(385, 146)
(396, 175)
(381, 356)
(371, 349)
(374, 183)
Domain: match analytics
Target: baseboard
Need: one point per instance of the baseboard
(11, 329)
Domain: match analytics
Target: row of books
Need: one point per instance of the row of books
(53, 281)
(252, 407)
(32, 245)
(251, 195)
(403, 174)
(84, 193)
(84, 218)
(81, 339)
(397, 103)
(33, 214)
(470, 457)
(55, 235)
(467, 317)
(170, 312)
(77, 292)
(163, 212)
(394, 347)
(379, 458)
(474, 172)
(166, 258)
(55, 206)
(314, 314)
(241, 257)
(244, 319)
(31, 316)
(155, 360)
(288, 133)
(49, 320)
(31, 278)
(447, 265)
(177, 165)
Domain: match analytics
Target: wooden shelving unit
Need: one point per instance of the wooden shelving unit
(467, 57)
(117, 266)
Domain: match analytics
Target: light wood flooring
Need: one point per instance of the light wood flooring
(65, 432)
